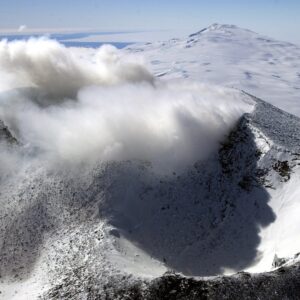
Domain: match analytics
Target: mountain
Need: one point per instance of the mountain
(226, 227)
(237, 210)
(231, 56)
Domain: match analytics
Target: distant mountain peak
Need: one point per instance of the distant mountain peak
(218, 27)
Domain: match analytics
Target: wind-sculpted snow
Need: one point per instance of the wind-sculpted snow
(107, 107)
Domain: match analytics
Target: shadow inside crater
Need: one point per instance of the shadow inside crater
(201, 222)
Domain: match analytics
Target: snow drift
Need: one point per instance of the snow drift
(107, 106)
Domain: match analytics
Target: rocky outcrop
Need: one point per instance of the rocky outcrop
(5, 134)
(284, 283)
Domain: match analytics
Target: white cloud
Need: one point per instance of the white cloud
(22, 28)
(107, 106)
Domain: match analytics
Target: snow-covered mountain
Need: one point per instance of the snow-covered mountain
(235, 57)
(120, 228)
(236, 211)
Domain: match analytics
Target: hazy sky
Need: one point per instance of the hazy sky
(277, 18)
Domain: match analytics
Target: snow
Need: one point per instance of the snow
(281, 238)
(231, 56)
(30, 288)
(235, 209)
(277, 137)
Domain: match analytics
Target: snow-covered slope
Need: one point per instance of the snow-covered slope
(100, 228)
(234, 211)
(235, 57)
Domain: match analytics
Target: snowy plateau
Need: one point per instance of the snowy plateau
(165, 170)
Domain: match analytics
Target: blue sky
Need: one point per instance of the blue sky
(277, 18)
